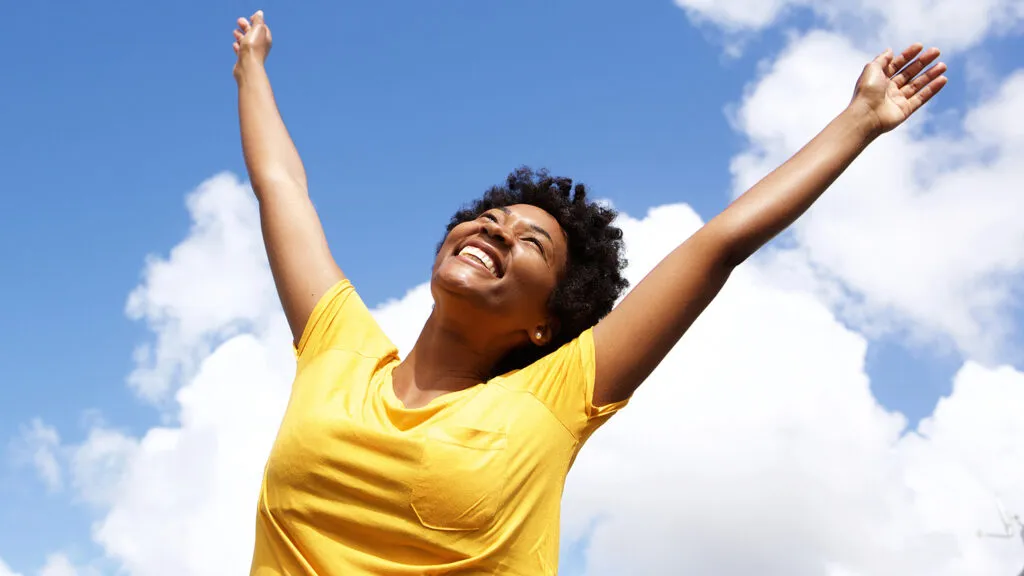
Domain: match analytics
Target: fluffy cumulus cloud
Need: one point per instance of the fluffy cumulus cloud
(757, 447)
(181, 499)
(58, 565)
(211, 286)
(922, 232)
(955, 24)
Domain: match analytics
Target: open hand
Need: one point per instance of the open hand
(892, 87)
(252, 40)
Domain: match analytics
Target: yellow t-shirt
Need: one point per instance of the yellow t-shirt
(469, 484)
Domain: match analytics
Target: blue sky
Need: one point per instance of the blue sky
(402, 111)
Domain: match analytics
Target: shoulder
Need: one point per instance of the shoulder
(564, 382)
(342, 321)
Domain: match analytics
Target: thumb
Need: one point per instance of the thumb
(883, 59)
(257, 18)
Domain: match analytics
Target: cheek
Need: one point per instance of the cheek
(537, 279)
(440, 257)
(450, 241)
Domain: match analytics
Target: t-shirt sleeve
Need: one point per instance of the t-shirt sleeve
(564, 382)
(341, 321)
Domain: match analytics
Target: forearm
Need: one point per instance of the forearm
(782, 196)
(270, 154)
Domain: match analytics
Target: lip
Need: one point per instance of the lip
(486, 248)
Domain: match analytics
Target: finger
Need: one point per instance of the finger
(884, 58)
(923, 80)
(915, 67)
(243, 25)
(238, 35)
(925, 94)
(237, 47)
(900, 61)
(257, 18)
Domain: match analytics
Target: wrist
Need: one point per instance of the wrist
(247, 64)
(862, 120)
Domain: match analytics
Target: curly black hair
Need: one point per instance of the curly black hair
(593, 278)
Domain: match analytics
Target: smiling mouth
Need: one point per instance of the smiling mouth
(476, 255)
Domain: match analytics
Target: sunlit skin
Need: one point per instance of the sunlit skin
(479, 317)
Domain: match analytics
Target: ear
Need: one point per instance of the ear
(542, 334)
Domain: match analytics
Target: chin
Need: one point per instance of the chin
(455, 280)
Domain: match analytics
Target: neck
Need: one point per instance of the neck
(447, 357)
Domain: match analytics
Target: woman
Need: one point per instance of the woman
(453, 460)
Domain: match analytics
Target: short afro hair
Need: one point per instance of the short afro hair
(592, 280)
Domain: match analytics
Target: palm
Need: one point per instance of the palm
(892, 87)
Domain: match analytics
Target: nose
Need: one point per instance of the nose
(498, 232)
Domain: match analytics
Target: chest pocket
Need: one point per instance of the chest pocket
(461, 478)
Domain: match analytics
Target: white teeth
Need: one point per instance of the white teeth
(480, 255)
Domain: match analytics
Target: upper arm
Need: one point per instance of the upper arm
(300, 260)
(634, 338)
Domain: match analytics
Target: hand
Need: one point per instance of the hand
(252, 40)
(890, 89)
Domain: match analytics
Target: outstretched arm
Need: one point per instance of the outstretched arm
(636, 336)
(300, 259)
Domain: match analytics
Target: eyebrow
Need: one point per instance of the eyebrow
(541, 231)
(533, 227)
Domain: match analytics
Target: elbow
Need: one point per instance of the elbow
(726, 243)
(736, 255)
(276, 183)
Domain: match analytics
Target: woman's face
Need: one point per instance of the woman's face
(503, 266)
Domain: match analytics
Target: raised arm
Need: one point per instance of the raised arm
(300, 259)
(636, 336)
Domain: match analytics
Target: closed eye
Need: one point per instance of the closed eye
(489, 216)
(536, 243)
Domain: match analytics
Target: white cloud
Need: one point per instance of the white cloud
(953, 24)
(735, 15)
(39, 445)
(58, 565)
(98, 465)
(181, 499)
(998, 123)
(402, 319)
(757, 447)
(211, 286)
(922, 232)
(185, 497)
